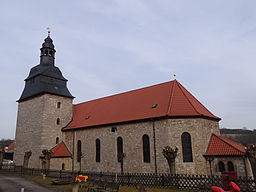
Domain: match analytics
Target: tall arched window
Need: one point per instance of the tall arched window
(221, 166)
(97, 150)
(119, 148)
(231, 166)
(186, 147)
(79, 150)
(146, 149)
(63, 166)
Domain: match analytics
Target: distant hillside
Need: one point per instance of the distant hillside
(242, 136)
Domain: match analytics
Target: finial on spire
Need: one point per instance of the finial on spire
(48, 30)
(174, 76)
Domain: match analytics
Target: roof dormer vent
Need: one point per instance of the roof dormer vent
(154, 106)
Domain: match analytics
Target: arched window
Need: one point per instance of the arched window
(221, 166)
(58, 121)
(97, 150)
(186, 147)
(146, 149)
(119, 148)
(63, 166)
(58, 104)
(57, 140)
(231, 166)
(79, 150)
(46, 52)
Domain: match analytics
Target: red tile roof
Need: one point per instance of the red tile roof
(11, 146)
(60, 150)
(171, 98)
(219, 145)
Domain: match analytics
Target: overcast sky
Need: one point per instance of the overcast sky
(106, 47)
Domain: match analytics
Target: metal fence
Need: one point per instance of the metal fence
(167, 181)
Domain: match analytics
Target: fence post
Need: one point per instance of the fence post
(32, 171)
(162, 181)
(128, 177)
(60, 173)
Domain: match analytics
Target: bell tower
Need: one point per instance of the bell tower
(44, 107)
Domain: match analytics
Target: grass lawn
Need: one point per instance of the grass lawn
(68, 188)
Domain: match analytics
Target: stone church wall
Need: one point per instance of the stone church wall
(37, 128)
(56, 163)
(241, 164)
(166, 132)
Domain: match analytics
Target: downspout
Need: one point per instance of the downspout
(154, 140)
(245, 167)
(73, 150)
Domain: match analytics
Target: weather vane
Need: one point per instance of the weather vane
(174, 75)
(49, 30)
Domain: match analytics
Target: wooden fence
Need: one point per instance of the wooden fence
(178, 181)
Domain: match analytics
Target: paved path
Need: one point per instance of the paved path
(9, 183)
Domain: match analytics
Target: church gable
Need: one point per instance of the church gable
(60, 150)
(169, 99)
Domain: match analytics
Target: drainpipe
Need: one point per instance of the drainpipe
(245, 167)
(73, 150)
(154, 140)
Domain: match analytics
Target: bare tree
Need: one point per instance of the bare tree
(46, 159)
(170, 154)
(27, 155)
(251, 154)
(121, 159)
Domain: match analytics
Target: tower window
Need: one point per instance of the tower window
(57, 140)
(186, 147)
(79, 150)
(58, 104)
(46, 52)
(97, 150)
(58, 121)
(146, 149)
(119, 148)
(63, 166)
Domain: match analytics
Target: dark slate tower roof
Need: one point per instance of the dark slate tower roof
(45, 77)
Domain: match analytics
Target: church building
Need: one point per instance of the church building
(129, 132)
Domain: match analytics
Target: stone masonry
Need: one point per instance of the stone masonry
(167, 132)
(37, 126)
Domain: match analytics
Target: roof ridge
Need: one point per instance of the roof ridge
(199, 103)
(171, 97)
(66, 148)
(188, 99)
(210, 141)
(57, 146)
(125, 92)
(225, 141)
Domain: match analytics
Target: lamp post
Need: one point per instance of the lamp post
(114, 130)
(210, 159)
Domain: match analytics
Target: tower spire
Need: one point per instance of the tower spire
(47, 50)
(48, 30)
(45, 77)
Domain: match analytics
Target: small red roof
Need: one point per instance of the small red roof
(219, 145)
(11, 146)
(60, 150)
(169, 99)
